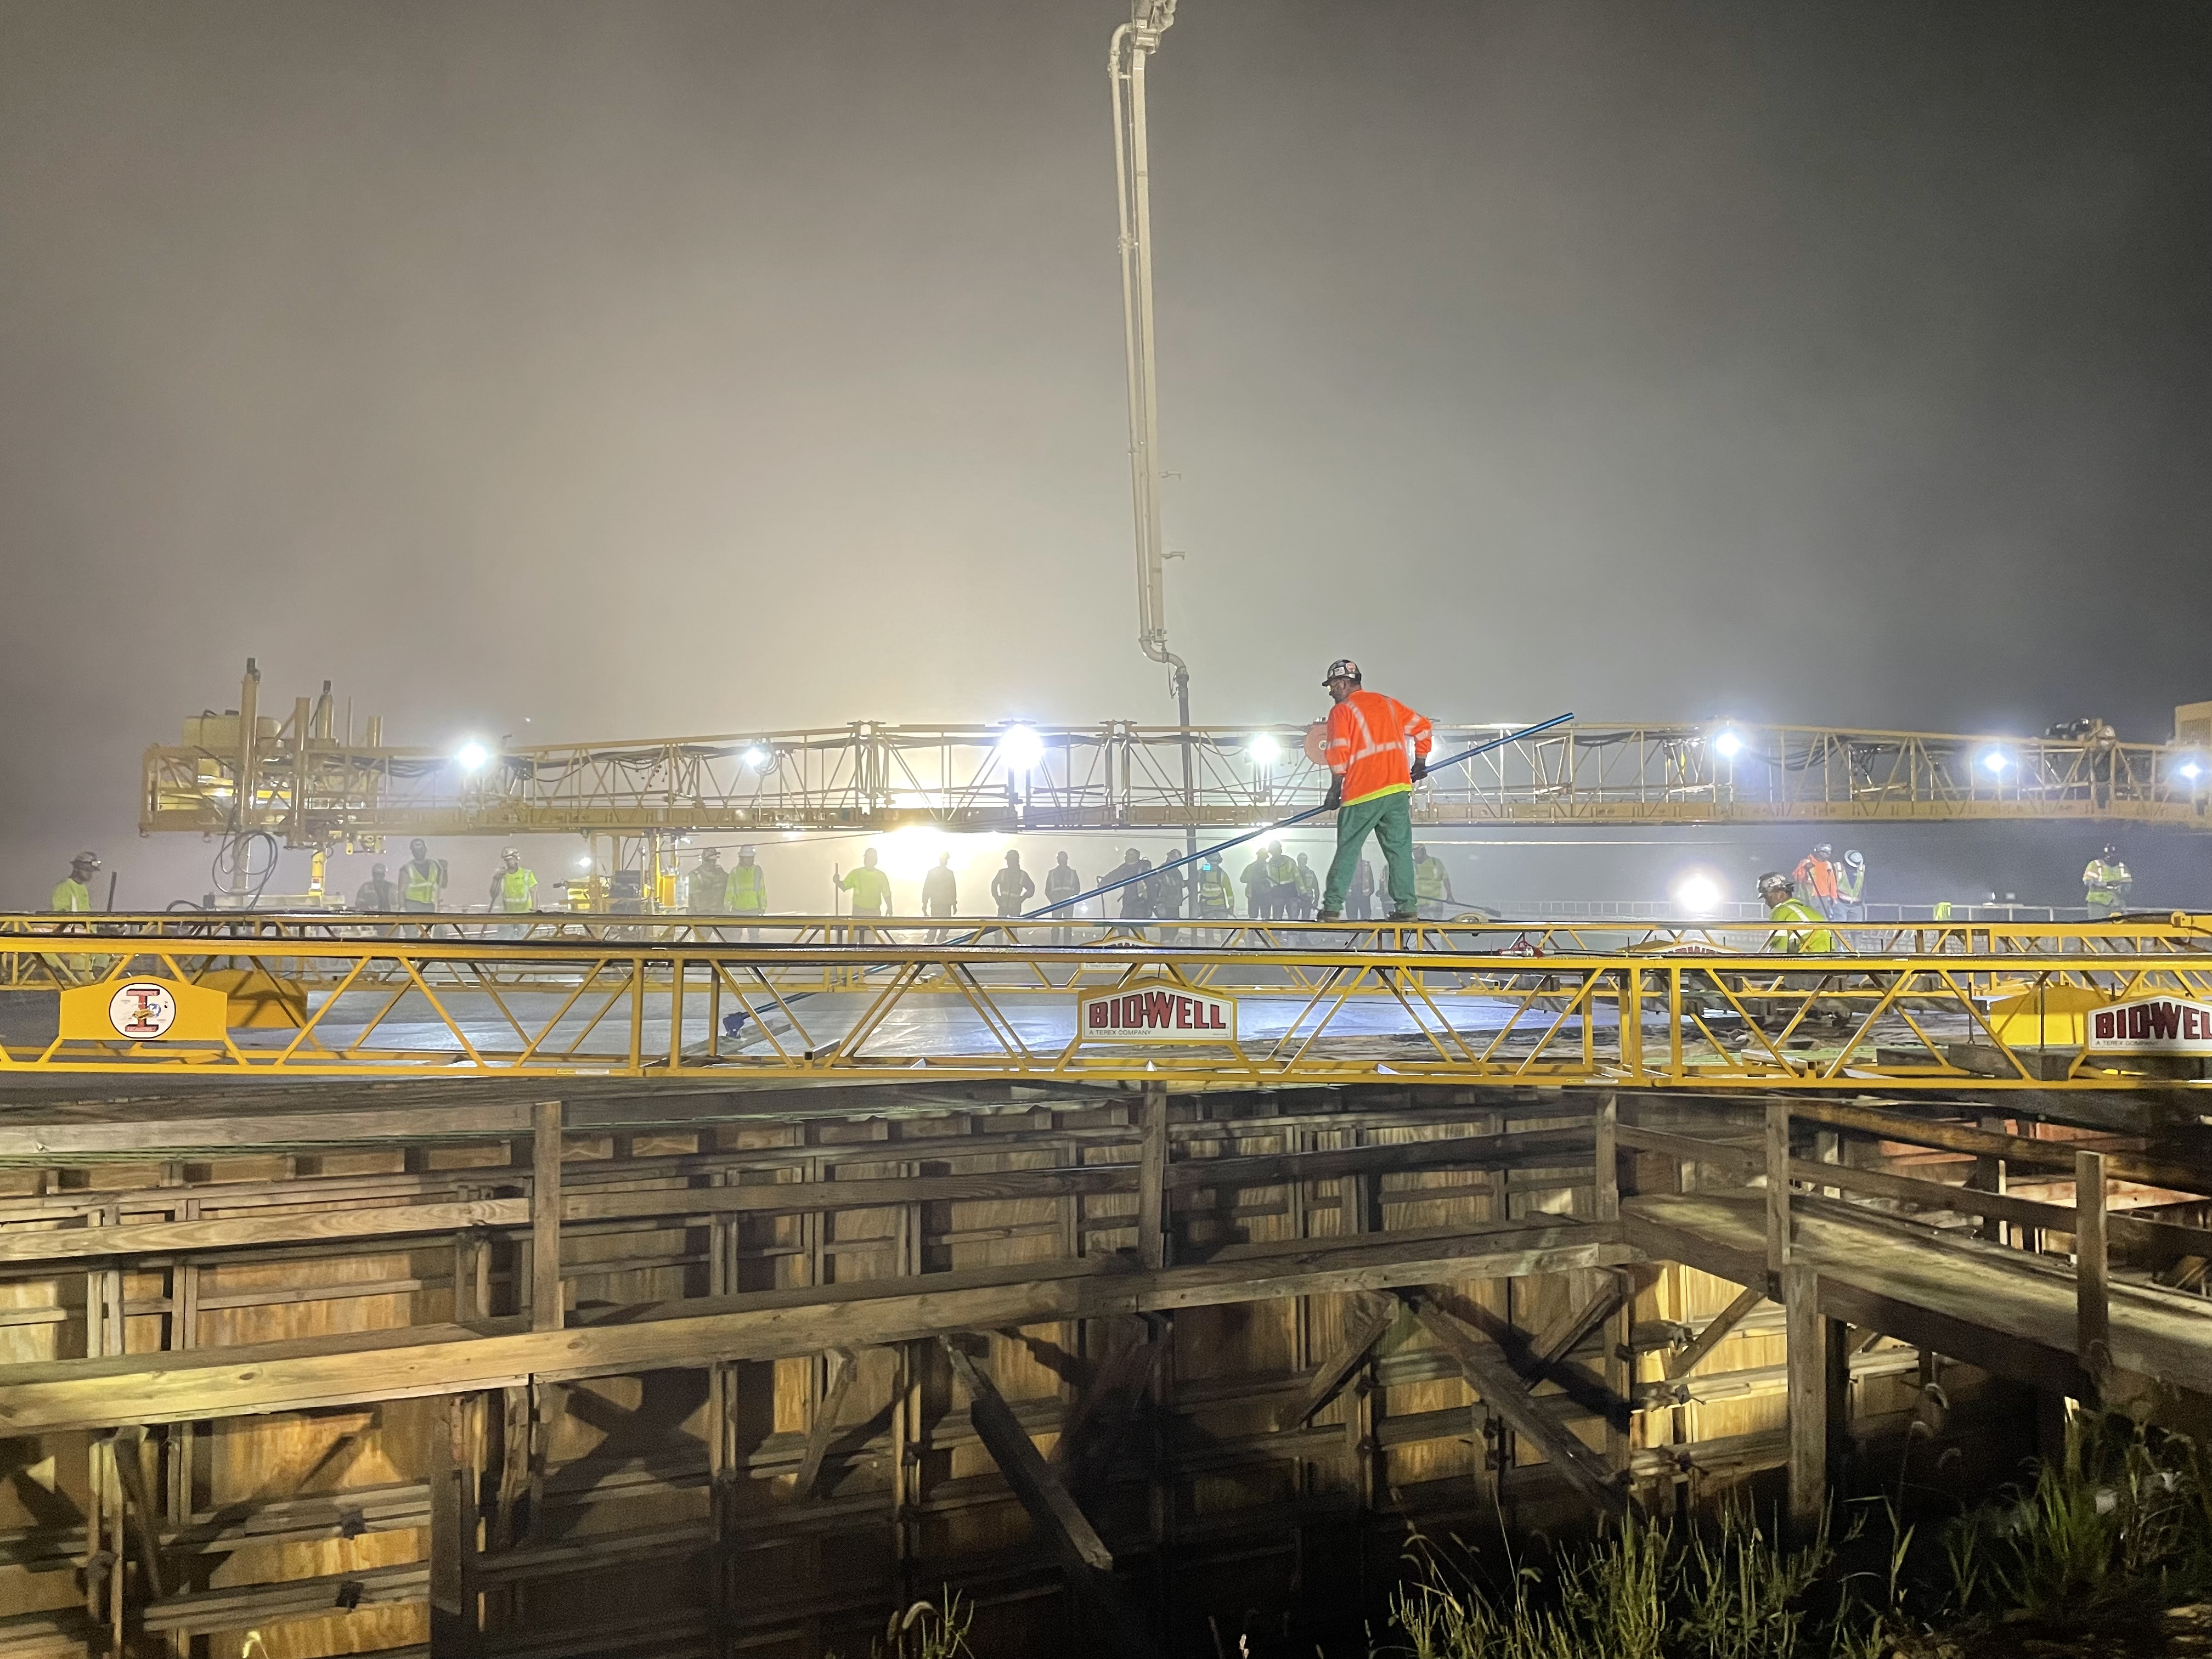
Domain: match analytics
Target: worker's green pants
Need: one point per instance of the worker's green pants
(1390, 817)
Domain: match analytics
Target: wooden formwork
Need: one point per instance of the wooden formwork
(324, 1397)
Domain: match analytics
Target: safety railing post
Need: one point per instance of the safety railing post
(1605, 1204)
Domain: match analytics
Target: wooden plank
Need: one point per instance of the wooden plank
(362, 1367)
(1535, 1146)
(1049, 1504)
(824, 1428)
(1982, 1143)
(1605, 1190)
(1808, 1363)
(64, 1137)
(1716, 1332)
(2121, 1228)
(546, 1147)
(1688, 1148)
(1374, 1315)
(2093, 1315)
(1559, 1339)
(1778, 1191)
(1488, 1370)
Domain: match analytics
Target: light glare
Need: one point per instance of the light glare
(1697, 894)
(2190, 770)
(1265, 750)
(1022, 749)
(756, 757)
(472, 756)
(1728, 745)
(1994, 761)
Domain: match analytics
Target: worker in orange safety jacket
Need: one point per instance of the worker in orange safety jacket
(1377, 750)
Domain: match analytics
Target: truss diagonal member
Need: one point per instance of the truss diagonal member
(1559, 1338)
(530, 1044)
(453, 1025)
(823, 1429)
(1583, 1000)
(1443, 1018)
(1371, 1316)
(1852, 1041)
(307, 1026)
(1716, 1329)
(1501, 1388)
(1322, 983)
(724, 977)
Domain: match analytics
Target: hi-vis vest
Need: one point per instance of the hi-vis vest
(1428, 878)
(1818, 940)
(517, 887)
(71, 894)
(2104, 880)
(419, 882)
(747, 888)
(1213, 888)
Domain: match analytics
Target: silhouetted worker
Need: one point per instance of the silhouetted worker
(1061, 884)
(1282, 884)
(1215, 896)
(1359, 904)
(378, 893)
(940, 895)
(1011, 887)
(1309, 890)
(1132, 896)
(869, 887)
(1372, 787)
(1256, 886)
(422, 879)
(72, 894)
(1432, 884)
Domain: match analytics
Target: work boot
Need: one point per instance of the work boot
(1403, 916)
(1329, 916)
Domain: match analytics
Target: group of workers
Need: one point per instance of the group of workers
(1835, 888)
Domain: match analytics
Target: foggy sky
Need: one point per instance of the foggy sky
(655, 367)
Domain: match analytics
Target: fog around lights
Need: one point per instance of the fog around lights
(755, 757)
(1697, 894)
(2191, 770)
(1021, 749)
(584, 863)
(472, 756)
(1728, 745)
(1265, 750)
(1994, 761)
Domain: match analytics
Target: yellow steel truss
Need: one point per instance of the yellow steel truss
(1671, 1007)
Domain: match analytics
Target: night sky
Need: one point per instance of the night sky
(659, 367)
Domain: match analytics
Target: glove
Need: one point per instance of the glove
(1335, 798)
(1420, 767)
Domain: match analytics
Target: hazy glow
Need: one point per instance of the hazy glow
(1266, 751)
(756, 757)
(906, 853)
(584, 863)
(1728, 745)
(2190, 769)
(1994, 761)
(1697, 894)
(1021, 749)
(472, 756)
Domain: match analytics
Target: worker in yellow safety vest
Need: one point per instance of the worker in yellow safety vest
(514, 888)
(1215, 896)
(422, 879)
(1282, 882)
(2104, 883)
(1779, 893)
(73, 893)
(869, 887)
(745, 893)
(710, 885)
(1431, 883)
(1309, 890)
(1011, 888)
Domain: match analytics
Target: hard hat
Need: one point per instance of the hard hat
(1855, 859)
(746, 852)
(91, 861)
(510, 852)
(1131, 855)
(1774, 878)
(1823, 850)
(1342, 669)
(709, 853)
(2110, 852)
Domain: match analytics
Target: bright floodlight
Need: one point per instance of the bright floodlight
(584, 863)
(1994, 761)
(2190, 770)
(1266, 749)
(472, 756)
(756, 757)
(1728, 745)
(1697, 894)
(1021, 749)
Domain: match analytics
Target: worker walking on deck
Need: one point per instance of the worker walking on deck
(380, 892)
(2105, 885)
(869, 887)
(513, 891)
(1061, 884)
(1850, 887)
(1011, 887)
(1282, 884)
(1255, 879)
(1360, 904)
(422, 879)
(1215, 895)
(1371, 785)
(72, 894)
(710, 885)
(1124, 881)
(940, 896)
(1432, 888)
(1815, 880)
(1309, 890)
(1779, 895)
(745, 894)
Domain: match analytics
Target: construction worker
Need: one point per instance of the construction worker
(1360, 904)
(1371, 785)
(1309, 890)
(1282, 884)
(1061, 884)
(379, 893)
(1850, 886)
(514, 887)
(869, 887)
(940, 896)
(73, 892)
(1433, 885)
(745, 892)
(710, 884)
(422, 879)
(1215, 895)
(1126, 876)
(2105, 885)
(1779, 893)
(1011, 888)
(1815, 880)
(1255, 880)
